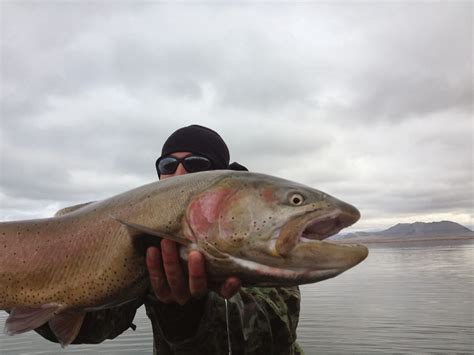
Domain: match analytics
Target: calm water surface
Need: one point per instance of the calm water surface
(409, 300)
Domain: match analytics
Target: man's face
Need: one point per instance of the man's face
(180, 170)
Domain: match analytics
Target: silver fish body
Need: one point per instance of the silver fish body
(265, 230)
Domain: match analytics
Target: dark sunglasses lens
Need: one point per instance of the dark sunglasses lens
(167, 165)
(193, 164)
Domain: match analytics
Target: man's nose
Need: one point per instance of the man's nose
(180, 170)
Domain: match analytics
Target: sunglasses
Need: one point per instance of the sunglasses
(192, 164)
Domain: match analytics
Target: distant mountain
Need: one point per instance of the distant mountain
(444, 228)
(412, 231)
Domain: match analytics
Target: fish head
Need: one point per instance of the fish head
(270, 231)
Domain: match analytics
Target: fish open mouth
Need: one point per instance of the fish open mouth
(314, 226)
(327, 225)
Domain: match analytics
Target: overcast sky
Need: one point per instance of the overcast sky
(371, 102)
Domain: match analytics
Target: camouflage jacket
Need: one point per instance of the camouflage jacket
(261, 321)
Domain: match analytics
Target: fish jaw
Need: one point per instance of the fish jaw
(339, 258)
(309, 263)
(315, 225)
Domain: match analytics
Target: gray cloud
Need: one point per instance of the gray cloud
(372, 103)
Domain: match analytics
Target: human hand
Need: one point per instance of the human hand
(169, 281)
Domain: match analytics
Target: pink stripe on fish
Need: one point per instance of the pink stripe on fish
(205, 210)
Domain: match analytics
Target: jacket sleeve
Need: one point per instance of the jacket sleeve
(100, 325)
(261, 320)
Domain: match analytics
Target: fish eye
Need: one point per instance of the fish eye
(296, 199)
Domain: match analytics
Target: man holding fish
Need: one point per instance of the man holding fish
(186, 316)
(252, 229)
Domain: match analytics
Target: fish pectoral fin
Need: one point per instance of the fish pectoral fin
(66, 325)
(23, 319)
(143, 229)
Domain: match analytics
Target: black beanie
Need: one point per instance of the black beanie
(199, 140)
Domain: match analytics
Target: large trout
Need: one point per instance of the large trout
(264, 230)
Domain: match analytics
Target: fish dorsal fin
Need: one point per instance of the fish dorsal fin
(147, 230)
(66, 325)
(70, 209)
(23, 319)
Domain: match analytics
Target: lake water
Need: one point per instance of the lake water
(404, 300)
